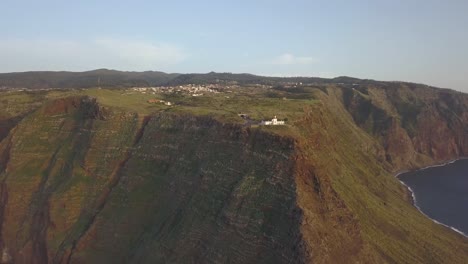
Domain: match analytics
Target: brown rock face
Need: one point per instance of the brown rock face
(436, 139)
(426, 125)
(398, 145)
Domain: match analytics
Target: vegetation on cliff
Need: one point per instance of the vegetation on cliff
(92, 175)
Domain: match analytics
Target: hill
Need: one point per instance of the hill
(96, 78)
(98, 176)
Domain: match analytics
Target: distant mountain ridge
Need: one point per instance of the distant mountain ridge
(123, 79)
(88, 79)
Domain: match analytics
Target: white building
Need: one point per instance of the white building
(273, 122)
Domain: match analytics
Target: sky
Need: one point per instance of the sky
(400, 40)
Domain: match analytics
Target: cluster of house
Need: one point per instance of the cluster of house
(291, 84)
(194, 90)
(155, 101)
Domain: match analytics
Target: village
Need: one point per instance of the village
(192, 89)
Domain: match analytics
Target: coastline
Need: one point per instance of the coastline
(443, 163)
(414, 200)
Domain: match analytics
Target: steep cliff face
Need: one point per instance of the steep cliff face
(416, 125)
(354, 208)
(45, 173)
(84, 183)
(195, 190)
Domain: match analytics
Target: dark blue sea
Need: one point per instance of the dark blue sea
(441, 192)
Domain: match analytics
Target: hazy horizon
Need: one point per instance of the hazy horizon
(418, 41)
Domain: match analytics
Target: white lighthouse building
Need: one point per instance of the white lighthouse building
(273, 122)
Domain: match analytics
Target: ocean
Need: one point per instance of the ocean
(441, 193)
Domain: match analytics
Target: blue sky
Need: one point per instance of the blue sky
(412, 40)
